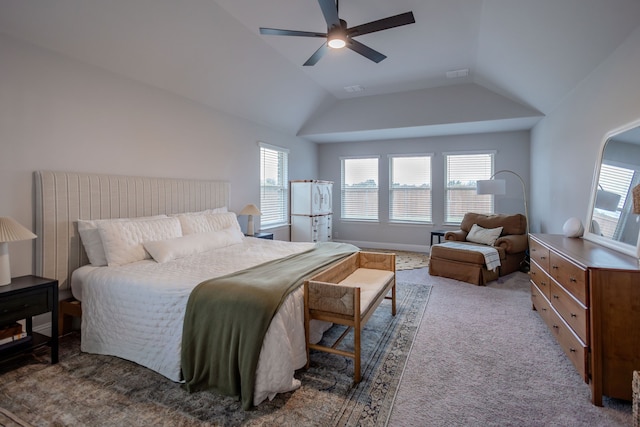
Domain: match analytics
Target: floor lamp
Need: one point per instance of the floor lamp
(499, 187)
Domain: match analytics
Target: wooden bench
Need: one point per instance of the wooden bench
(347, 293)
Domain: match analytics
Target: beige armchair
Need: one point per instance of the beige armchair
(469, 266)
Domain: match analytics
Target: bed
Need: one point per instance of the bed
(134, 307)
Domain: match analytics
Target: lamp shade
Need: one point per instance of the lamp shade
(491, 186)
(11, 230)
(250, 209)
(607, 200)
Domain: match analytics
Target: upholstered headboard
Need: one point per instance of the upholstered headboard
(64, 197)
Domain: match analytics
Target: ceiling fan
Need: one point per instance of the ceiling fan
(338, 35)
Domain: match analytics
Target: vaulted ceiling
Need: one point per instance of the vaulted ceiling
(523, 57)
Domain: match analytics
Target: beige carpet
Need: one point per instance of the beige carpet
(483, 357)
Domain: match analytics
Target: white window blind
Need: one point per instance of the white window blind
(462, 172)
(274, 193)
(359, 188)
(410, 188)
(617, 180)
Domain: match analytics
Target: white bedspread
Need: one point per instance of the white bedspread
(136, 312)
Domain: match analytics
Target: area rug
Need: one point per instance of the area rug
(87, 389)
(406, 260)
(7, 419)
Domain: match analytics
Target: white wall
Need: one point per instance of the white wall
(512, 152)
(566, 145)
(58, 114)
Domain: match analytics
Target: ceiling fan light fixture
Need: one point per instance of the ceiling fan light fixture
(337, 38)
(336, 43)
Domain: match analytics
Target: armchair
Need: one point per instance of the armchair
(469, 266)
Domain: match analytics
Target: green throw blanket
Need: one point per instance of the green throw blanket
(227, 318)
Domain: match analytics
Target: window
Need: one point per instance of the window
(359, 189)
(613, 180)
(462, 172)
(410, 188)
(274, 192)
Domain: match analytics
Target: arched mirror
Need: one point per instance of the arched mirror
(611, 221)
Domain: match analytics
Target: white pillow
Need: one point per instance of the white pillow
(205, 222)
(191, 244)
(486, 236)
(123, 241)
(90, 237)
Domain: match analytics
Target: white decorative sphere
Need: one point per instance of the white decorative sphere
(573, 227)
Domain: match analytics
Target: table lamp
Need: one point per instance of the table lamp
(250, 210)
(10, 231)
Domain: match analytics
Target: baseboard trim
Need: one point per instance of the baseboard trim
(392, 246)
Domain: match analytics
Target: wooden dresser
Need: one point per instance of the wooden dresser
(589, 296)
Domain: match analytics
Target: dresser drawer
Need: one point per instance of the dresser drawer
(539, 301)
(574, 313)
(571, 276)
(539, 253)
(575, 350)
(540, 278)
(26, 304)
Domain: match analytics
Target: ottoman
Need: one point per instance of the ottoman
(464, 265)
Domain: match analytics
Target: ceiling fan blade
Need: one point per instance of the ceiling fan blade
(382, 24)
(317, 55)
(278, 32)
(365, 51)
(330, 12)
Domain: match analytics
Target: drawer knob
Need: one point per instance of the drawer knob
(572, 279)
(574, 315)
(556, 297)
(556, 327)
(543, 257)
(572, 350)
(554, 266)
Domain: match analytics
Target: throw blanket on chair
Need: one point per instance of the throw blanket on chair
(227, 318)
(491, 256)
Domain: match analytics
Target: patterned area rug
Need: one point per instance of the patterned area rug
(406, 260)
(7, 419)
(87, 389)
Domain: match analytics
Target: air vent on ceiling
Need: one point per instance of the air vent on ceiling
(354, 88)
(455, 74)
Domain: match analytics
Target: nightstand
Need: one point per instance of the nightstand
(25, 297)
(268, 236)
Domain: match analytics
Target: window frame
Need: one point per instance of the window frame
(429, 216)
(282, 205)
(448, 218)
(363, 218)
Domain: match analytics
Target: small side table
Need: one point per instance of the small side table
(439, 234)
(268, 236)
(25, 297)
